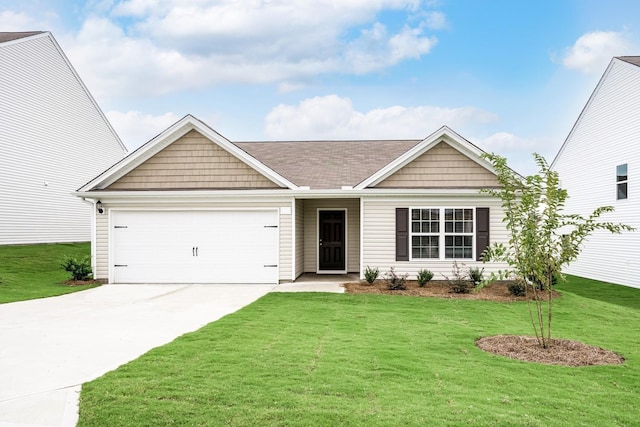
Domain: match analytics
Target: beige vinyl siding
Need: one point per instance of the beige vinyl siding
(284, 227)
(379, 236)
(286, 247)
(606, 135)
(311, 207)
(102, 246)
(300, 239)
(53, 140)
(192, 162)
(441, 167)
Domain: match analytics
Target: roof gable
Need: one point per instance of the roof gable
(464, 153)
(192, 162)
(200, 159)
(628, 63)
(11, 36)
(442, 166)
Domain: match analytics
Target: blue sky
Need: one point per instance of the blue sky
(511, 76)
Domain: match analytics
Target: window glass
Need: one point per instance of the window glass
(621, 182)
(445, 233)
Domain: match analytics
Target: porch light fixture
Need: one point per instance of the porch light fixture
(99, 207)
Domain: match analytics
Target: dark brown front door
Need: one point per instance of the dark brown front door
(331, 244)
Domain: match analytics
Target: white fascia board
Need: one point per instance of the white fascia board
(444, 133)
(170, 135)
(178, 196)
(85, 89)
(587, 105)
(24, 39)
(138, 157)
(242, 155)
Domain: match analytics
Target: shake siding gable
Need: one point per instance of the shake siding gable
(441, 167)
(192, 162)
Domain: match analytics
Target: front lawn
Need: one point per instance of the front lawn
(377, 360)
(34, 271)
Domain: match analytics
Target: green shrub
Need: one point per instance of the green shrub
(79, 267)
(476, 274)
(394, 281)
(371, 274)
(424, 276)
(460, 283)
(517, 289)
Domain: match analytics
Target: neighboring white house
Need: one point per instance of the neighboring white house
(599, 165)
(53, 139)
(190, 206)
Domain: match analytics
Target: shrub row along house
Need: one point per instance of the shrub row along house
(191, 206)
(53, 139)
(598, 165)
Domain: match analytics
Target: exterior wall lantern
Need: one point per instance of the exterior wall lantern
(99, 207)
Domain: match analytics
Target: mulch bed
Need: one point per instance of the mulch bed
(496, 291)
(525, 348)
(82, 282)
(560, 352)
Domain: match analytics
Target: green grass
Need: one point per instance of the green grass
(376, 360)
(34, 271)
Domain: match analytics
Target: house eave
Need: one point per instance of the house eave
(285, 194)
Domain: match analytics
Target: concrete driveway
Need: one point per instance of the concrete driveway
(49, 347)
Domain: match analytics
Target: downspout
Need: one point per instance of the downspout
(92, 202)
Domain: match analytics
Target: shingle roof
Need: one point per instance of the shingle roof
(327, 164)
(635, 60)
(7, 37)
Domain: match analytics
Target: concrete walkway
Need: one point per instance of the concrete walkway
(50, 346)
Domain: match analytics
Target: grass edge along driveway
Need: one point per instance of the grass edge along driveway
(327, 359)
(34, 271)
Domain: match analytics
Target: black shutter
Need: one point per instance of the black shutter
(482, 231)
(402, 234)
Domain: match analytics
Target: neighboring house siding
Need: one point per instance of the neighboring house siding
(53, 139)
(311, 207)
(441, 167)
(285, 227)
(192, 162)
(299, 210)
(379, 233)
(606, 135)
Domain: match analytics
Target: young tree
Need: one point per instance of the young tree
(543, 239)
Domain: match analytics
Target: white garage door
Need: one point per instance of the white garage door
(194, 246)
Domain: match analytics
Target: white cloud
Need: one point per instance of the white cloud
(592, 51)
(18, 21)
(435, 20)
(157, 47)
(334, 117)
(136, 128)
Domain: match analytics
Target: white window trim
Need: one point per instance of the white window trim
(441, 235)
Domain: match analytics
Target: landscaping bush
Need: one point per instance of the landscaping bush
(517, 289)
(394, 281)
(424, 276)
(476, 275)
(460, 283)
(79, 267)
(371, 274)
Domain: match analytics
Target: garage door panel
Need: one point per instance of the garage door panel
(195, 247)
